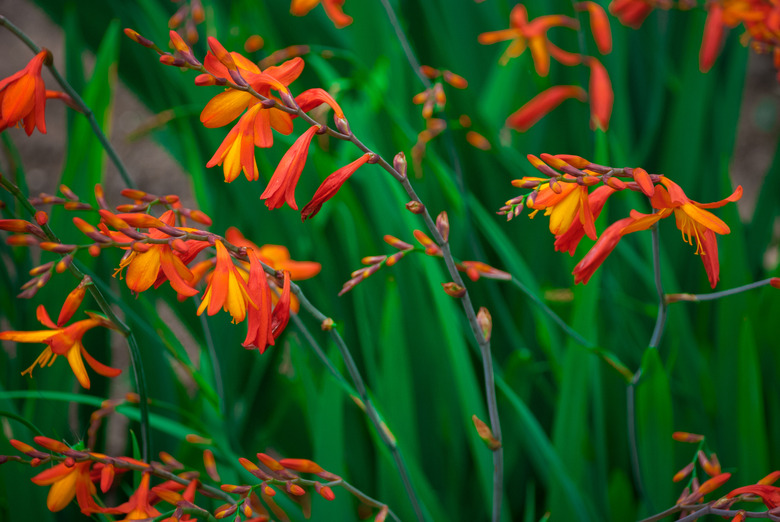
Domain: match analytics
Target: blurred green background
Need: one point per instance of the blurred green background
(563, 410)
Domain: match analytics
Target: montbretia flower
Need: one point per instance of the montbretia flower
(138, 507)
(226, 289)
(68, 482)
(600, 95)
(570, 239)
(631, 13)
(533, 35)
(770, 495)
(255, 128)
(599, 25)
(259, 330)
(160, 263)
(332, 8)
(540, 105)
(693, 221)
(65, 341)
(23, 97)
(331, 185)
(281, 188)
(565, 204)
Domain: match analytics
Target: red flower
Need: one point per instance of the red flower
(259, 329)
(331, 185)
(23, 97)
(138, 506)
(529, 114)
(281, 312)
(333, 10)
(568, 241)
(281, 188)
(600, 94)
(603, 247)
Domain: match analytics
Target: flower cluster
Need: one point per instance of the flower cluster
(567, 196)
(532, 34)
(77, 473)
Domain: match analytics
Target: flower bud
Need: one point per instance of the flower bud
(443, 225)
(485, 321)
(454, 289)
(486, 434)
(415, 207)
(399, 164)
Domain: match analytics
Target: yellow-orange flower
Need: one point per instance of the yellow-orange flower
(64, 341)
(138, 507)
(332, 8)
(226, 289)
(533, 35)
(23, 97)
(255, 127)
(69, 482)
(569, 201)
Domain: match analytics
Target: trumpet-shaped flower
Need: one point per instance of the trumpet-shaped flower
(255, 127)
(693, 221)
(540, 105)
(330, 186)
(275, 256)
(138, 507)
(281, 188)
(259, 329)
(68, 482)
(23, 97)
(569, 240)
(564, 205)
(333, 10)
(159, 262)
(226, 289)
(533, 35)
(770, 495)
(66, 342)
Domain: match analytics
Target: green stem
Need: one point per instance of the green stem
(83, 107)
(674, 298)
(658, 331)
(135, 354)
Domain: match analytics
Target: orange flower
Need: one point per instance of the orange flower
(600, 94)
(236, 153)
(534, 36)
(281, 313)
(599, 25)
(529, 114)
(332, 8)
(330, 186)
(259, 330)
(64, 341)
(564, 205)
(226, 289)
(159, 262)
(68, 482)
(138, 506)
(770, 495)
(714, 28)
(281, 188)
(275, 256)
(691, 219)
(569, 240)
(23, 97)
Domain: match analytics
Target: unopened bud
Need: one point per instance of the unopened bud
(399, 164)
(454, 289)
(133, 35)
(443, 225)
(485, 322)
(486, 434)
(41, 217)
(415, 207)
(328, 324)
(775, 281)
(169, 59)
(642, 179)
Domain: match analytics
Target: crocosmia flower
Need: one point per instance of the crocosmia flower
(532, 35)
(23, 97)
(138, 507)
(66, 342)
(226, 289)
(68, 482)
(333, 8)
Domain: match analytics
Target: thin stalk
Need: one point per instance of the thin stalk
(124, 329)
(673, 298)
(632, 438)
(662, 305)
(82, 106)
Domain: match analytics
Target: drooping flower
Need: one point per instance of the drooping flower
(770, 495)
(138, 506)
(331, 185)
(281, 313)
(259, 329)
(600, 95)
(599, 25)
(533, 35)
(631, 13)
(23, 97)
(68, 482)
(693, 221)
(66, 342)
(540, 105)
(603, 247)
(226, 289)
(332, 8)
(281, 188)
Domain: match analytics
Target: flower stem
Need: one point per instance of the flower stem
(83, 107)
(674, 298)
(660, 321)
